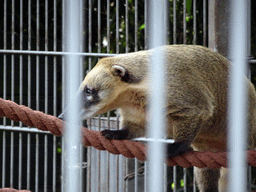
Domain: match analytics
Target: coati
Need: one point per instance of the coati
(196, 111)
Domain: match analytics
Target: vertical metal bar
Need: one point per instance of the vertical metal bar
(185, 179)
(237, 94)
(46, 58)
(184, 22)
(55, 59)
(174, 179)
(45, 161)
(13, 47)
(146, 24)
(4, 158)
(12, 157)
(21, 57)
(136, 176)
(204, 23)
(174, 22)
(194, 180)
(29, 57)
(72, 42)
(54, 164)
(146, 176)
(63, 92)
(5, 46)
(90, 34)
(157, 95)
(28, 160)
(37, 163)
(20, 162)
(136, 26)
(37, 93)
(117, 26)
(194, 22)
(108, 26)
(126, 26)
(99, 26)
(29, 92)
(37, 57)
(81, 75)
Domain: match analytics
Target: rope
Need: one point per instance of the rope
(127, 148)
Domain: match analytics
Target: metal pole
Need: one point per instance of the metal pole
(237, 100)
(72, 132)
(157, 99)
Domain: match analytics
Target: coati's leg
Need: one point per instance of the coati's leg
(207, 179)
(184, 130)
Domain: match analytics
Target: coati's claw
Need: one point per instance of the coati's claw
(115, 134)
(178, 148)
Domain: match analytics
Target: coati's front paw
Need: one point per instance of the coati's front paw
(117, 134)
(178, 148)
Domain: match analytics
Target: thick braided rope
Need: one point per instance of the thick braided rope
(127, 148)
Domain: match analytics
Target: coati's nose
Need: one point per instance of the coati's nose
(61, 116)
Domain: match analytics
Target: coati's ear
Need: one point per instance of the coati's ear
(124, 74)
(118, 70)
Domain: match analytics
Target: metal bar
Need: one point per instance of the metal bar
(204, 23)
(184, 22)
(90, 34)
(72, 151)
(136, 26)
(20, 162)
(55, 59)
(37, 163)
(126, 26)
(81, 75)
(175, 179)
(63, 88)
(99, 26)
(117, 26)
(21, 57)
(108, 26)
(37, 57)
(136, 176)
(174, 22)
(23, 129)
(157, 96)
(28, 160)
(4, 158)
(146, 25)
(54, 164)
(46, 58)
(45, 161)
(12, 160)
(7, 51)
(237, 104)
(185, 179)
(29, 57)
(12, 63)
(194, 180)
(5, 46)
(194, 22)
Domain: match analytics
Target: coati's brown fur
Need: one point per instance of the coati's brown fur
(196, 87)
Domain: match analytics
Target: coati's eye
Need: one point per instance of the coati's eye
(87, 91)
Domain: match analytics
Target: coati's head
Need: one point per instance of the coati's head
(106, 86)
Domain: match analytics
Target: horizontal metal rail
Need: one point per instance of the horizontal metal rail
(24, 129)
(7, 51)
